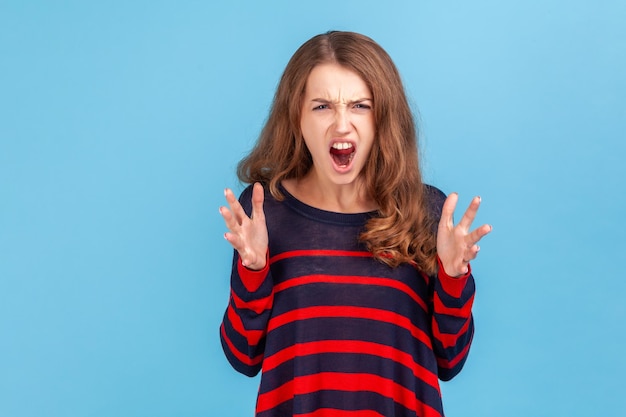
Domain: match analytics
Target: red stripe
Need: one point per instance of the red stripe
(251, 279)
(348, 383)
(252, 336)
(360, 280)
(453, 286)
(449, 364)
(241, 357)
(349, 312)
(296, 253)
(449, 339)
(354, 347)
(333, 412)
(464, 311)
(258, 306)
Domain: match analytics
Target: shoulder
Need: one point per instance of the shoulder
(434, 199)
(433, 193)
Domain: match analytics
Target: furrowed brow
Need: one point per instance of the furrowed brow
(326, 101)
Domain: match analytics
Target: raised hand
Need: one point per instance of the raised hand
(248, 235)
(456, 245)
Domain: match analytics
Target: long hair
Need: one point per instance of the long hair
(403, 231)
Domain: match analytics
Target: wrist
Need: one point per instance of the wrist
(252, 278)
(451, 271)
(259, 264)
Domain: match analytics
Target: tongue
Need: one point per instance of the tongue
(341, 156)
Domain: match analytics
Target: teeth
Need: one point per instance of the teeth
(342, 145)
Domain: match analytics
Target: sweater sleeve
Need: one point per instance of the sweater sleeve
(452, 322)
(244, 325)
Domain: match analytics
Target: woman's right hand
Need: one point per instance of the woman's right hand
(248, 235)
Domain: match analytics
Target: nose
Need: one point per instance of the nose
(342, 120)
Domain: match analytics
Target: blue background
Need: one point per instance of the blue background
(122, 122)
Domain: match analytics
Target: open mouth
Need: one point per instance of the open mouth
(342, 153)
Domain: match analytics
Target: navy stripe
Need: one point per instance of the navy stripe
(353, 329)
(337, 400)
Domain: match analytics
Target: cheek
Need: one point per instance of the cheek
(313, 130)
(371, 127)
(308, 141)
(370, 145)
(306, 127)
(305, 143)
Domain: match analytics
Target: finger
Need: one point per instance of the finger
(229, 219)
(234, 229)
(447, 211)
(237, 211)
(479, 233)
(248, 259)
(235, 241)
(471, 254)
(470, 214)
(257, 202)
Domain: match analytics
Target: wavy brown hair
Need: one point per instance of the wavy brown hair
(404, 230)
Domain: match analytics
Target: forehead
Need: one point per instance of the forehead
(333, 82)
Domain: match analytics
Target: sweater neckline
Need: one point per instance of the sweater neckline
(325, 216)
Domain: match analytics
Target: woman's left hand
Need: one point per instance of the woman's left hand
(456, 245)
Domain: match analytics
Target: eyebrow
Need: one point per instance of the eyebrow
(325, 101)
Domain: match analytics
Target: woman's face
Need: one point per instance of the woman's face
(337, 123)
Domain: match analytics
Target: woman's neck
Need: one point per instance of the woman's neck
(339, 198)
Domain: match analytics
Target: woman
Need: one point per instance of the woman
(351, 287)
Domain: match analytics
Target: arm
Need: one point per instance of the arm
(453, 295)
(243, 328)
(452, 321)
(244, 325)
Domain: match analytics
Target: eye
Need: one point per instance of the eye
(362, 106)
(321, 107)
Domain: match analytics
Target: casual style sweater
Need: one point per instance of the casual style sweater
(336, 332)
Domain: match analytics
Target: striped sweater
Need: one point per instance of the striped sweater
(336, 332)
